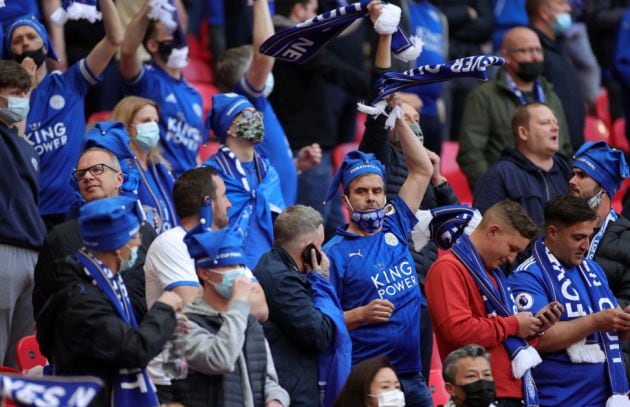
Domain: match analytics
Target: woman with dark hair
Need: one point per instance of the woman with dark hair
(372, 383)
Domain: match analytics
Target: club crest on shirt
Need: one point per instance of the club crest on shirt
(391, 239)
(197, 109)
(524, 301)
(57, 102)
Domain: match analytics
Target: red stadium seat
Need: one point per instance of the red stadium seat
(358, 134)
(619, 139)
(207, 91)
(436, 382)
(99, 116)
(28, 354)
(602, 111)
(198, 70)
(208, 149)
(340, 151)
(595, 130)
(451, 171)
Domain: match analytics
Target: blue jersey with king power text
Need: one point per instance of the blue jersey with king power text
(55, 127)
(365, 268)
(180, 115)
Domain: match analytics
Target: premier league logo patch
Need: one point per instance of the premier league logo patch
(57, 102)
(391, 239)
(524, 301)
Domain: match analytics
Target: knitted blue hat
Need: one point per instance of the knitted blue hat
(225, 108)
(605, 165)
(354, 164)
(448, 224)
(108, 224)
(112, 136)
(31, 21)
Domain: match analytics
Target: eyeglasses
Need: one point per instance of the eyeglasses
(95, 170)
(527, 51)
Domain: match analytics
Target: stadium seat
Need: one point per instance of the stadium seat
(619, 138)
(28, 354)
(451, 171)
(360, 127)
(99, 116)
(198, 70)
(595, 129)
(207, 91)
(617, 202)
(340, 151)
(601, 109)
(208, 149)
(436, 382)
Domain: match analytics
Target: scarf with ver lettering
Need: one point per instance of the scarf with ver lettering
(301, 42)
(70, 391)
(76, 10)
(498, 301)
(600, 347)
(132, 387)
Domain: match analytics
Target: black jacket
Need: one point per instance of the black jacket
(65, 240)
(295, 330)
(80, 332)
(561, 72)
(613, 255)
(467, 35)
(376, 140)
(515, 177)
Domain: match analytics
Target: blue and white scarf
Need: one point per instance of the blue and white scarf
(600, 347)
(132, 387)
(335, 363)
(303, 41)
(76, 10)
(498, 301)
(612, 216)
(67, 391)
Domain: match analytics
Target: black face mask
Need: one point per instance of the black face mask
(528, 71)
(480, 393)
(165, 48)
(37, 56)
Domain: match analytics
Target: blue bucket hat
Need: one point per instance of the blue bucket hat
(607, 166)
(31, 21)
(225, 108)
(355, 164)
(108, 224)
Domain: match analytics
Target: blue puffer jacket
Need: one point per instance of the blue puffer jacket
(515, 177)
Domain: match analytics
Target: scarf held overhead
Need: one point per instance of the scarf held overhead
(498, 301)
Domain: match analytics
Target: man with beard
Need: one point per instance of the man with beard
(485, 128)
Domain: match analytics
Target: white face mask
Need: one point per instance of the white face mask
(178, 58)
(390, 398)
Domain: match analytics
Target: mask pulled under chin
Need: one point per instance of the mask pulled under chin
(369, 221)
(38, 56)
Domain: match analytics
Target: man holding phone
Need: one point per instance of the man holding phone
(305, 322)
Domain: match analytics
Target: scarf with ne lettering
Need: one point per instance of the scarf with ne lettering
(498, 301)
(600, 347)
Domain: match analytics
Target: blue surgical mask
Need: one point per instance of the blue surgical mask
(16, 111)
(129, 263)
(562, 23)
(369, 221)
(224, 288)
(147, 135)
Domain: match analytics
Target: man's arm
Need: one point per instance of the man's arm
(130, 62)
(263, 28)
(257, 298)
(418, 164)
(56, 34)
(102, 52)
(186, 293)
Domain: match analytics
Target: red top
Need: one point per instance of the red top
(459, 318)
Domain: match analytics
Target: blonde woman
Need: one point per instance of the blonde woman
(140, 116)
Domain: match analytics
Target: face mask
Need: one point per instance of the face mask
(562, 23)
(251, 128)
(37, 56)
(528, 71)
(176, 58)
(16, 111)
(595, 200)
(224, 288)
(129, 263)
(147, 135)
(369, 221)
(391, 398)
(480, 393)
(269, 83)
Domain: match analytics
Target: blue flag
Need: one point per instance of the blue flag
(66, 391)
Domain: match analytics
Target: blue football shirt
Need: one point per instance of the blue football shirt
(55, 127)
(560, 382)
(180, 114)
(365, 268)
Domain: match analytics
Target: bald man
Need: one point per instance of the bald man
(486, 129)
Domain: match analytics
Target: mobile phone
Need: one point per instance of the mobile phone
(306, 254)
